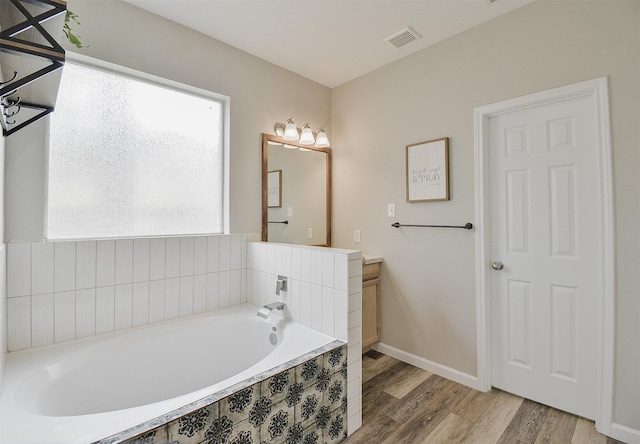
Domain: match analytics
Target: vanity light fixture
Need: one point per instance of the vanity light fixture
(306, 137)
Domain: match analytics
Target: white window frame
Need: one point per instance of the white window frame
(94, 63)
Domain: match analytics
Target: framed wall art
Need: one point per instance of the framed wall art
(274, 187)
(428, 170)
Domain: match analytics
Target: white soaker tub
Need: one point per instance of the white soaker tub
(90, 389)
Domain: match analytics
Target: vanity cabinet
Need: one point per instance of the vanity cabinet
(370, 304)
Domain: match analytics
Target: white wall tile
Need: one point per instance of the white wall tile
(224, 289)
(19, 323)
(157, 261)
(186, 295)
(328, 269)
(316, 307)
(355, 284)
(270, 258)
(355, 335)
(200, 255)
(156, 301)
(355, 301)
(296, 263)
(355, 267)
(85, 265)
(141, 260)
(105, 263)
(262, 298)
(236, 251)
(172, 257)
(305, 304)
(286, 262)
(305, 265)
(235, 287)
(243, 286)
(243, 250)
(316, 267)
(172, 298)
(186, 256)
(64, 266)
(225, 253)
(18, 269)
(354, 371)
(42, 320)
(277, 259)
(141, 309)
(85, 313)
(213, 254)
(341, 276)
(295, 301)
(328, 311)
(42, 268)
(212, 291)
(124, 261)
(355, 318)
(262, 256)
(200, 292)
(105, 309)
(341, 318)
(64, 316)
(123, 306)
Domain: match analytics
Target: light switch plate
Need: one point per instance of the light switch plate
(309, 233)
(356, 236)
(391, 210)
(289, 212)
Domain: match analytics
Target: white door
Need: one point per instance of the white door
(544, 212)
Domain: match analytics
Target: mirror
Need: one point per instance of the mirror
(296, 193)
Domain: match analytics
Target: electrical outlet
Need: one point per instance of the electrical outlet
(309, 233)
(356, 236)
(289, 212)
(391, 210)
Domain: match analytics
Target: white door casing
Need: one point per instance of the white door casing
(545, 198)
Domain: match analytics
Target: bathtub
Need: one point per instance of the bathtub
(111, 387)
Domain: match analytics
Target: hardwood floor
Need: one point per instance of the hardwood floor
(402, 404)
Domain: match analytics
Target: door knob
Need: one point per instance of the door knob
(497, 265)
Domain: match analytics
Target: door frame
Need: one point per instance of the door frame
(598, 89)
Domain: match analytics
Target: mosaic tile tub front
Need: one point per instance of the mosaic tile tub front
(304, 404)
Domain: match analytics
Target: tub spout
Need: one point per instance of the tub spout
(267, 309)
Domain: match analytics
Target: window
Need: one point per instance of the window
(129, 157)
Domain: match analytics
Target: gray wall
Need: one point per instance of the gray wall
(428, 276)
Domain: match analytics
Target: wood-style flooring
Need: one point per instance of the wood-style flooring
(402, 404)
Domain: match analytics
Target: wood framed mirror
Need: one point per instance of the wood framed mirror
(303, 191)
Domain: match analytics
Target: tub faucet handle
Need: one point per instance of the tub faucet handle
(281, 284)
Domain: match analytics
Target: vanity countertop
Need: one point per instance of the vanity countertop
(367, 259)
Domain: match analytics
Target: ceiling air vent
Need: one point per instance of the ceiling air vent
(403, 37)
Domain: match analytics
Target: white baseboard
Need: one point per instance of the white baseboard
(430, 366)
(624, 433)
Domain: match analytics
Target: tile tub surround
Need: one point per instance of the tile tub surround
(324, 293)
(66, 290)
(305, 403)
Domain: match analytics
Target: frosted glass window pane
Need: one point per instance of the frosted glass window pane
(130, 158)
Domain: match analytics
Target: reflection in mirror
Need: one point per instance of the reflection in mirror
(296, 193)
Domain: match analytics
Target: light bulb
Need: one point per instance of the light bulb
(306, 138)
(290, 131)
(322, 141)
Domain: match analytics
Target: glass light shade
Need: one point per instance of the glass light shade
(305, 149)
(306, 138)
(322, 141)
(290, 131)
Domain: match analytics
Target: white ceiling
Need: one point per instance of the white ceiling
(328, 41)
